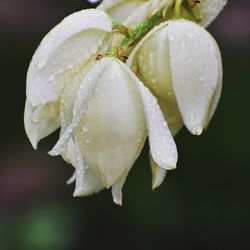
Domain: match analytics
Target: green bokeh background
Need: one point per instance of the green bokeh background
(204, 204)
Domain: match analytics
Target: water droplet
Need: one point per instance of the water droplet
(140, 57)
(192, 117)
(154, 81)
(85, 128)
(88, 141)
(40, 65)
(70, 66)
(151, 56)
(201, 78)
(204, 85)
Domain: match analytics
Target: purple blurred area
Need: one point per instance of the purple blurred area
(203, 205)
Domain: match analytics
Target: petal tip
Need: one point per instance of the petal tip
(34, 145)
(155, 185)
(77, 193)
(197, 130)
(52, 153)
(168, 167)
(118, 201)
(171, 167)
(33, 140)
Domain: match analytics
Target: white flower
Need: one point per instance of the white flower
(181, 64)
(132, 12)
(60, 55)
(104, 111)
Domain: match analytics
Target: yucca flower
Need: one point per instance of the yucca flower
(104, 111)
(178, 60)
(181, 64)
(108, 83)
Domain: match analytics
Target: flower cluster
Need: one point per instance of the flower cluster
(111, 77)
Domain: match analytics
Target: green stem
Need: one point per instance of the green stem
(177, 9)
(122, 48)
(121, 28)
(142, 29)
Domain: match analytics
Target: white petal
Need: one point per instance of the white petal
(171, 115)
(64, 49)
(208, 10)
(81, 90)
(72, 179)
(41, 121)
(145, 11)
(162, 145)
(216, 97)
(69, 154)
(86, 181)
(120, 9)
(112, 132)
(149, 60)
(195, 65)
(117, 189)
(158, 173)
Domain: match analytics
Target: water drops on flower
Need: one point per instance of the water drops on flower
(109, 84)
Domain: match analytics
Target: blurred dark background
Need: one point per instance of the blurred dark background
(204, 204)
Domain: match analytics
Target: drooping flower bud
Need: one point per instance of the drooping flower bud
(104, 115)
(181, 64)
(60, 55)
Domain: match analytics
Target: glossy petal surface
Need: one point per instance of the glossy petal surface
(162, 145)
(111, 132)
(61, 51)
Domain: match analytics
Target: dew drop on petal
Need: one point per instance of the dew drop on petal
(85, 128)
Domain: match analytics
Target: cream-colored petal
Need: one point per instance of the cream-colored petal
(195, 65)
(120, 9)
(171, 115)
(40, 121)
(149, 61)
(208, 10)
(86, 182)
(112, 132)
(162, 145)
(187, 65)
(216, 96)
(117, 189)
(69, 154)
(145, 11)
(65, 48)
(158, 173)
(75, 99)
(72, 179)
